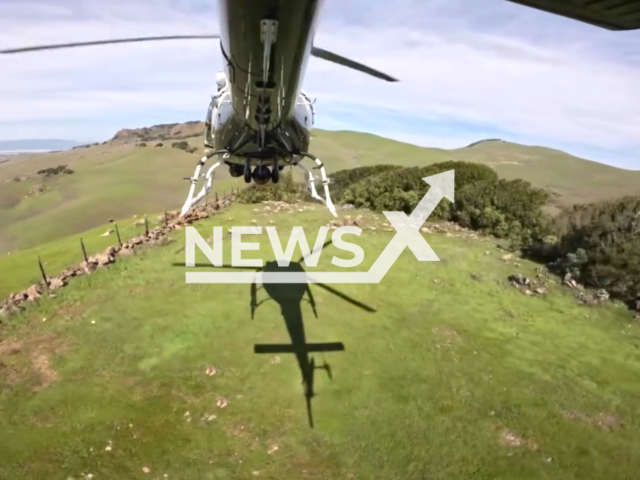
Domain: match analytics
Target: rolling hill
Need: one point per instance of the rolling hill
(447, 371)
(118, 179)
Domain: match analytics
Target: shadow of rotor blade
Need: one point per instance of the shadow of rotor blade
(346, 297)
(208, 265)
(327, 243)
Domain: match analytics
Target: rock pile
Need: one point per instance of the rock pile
(586, 297)
(277, 206)
(15, 303)
(526, 285)
(347, 221)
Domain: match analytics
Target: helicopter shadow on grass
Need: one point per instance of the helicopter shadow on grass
(289, 296)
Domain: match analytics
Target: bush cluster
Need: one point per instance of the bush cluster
(506, 209)
(286, 190)
(47, 172)
(599, 243)
(181, 145)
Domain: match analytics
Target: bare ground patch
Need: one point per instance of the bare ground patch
(24, 359)
(447, 336)
(606, 420)
(510, 438)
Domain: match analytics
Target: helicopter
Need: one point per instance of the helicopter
(260, 120)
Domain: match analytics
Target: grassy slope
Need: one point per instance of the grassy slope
(109, 182)
(119, 181)
(425, 389)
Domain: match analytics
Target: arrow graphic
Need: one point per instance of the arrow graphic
(407, 235)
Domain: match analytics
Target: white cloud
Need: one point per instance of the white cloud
(471, 67)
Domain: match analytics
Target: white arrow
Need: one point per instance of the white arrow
(442, 185)
(407, 227)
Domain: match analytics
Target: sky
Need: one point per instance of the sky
(468, 70)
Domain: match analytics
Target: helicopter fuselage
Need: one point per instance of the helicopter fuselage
(260, 112)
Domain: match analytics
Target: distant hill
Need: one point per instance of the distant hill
(137, 171)
(36, 144)
(168, 131)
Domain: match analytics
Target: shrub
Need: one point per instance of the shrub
(599, 244)
(342, 179)
(401, 189)
(510, 209)
(286, 190)
(159, 144)
(182, 145)
(47, 172)
(506, 209)
(142, 144)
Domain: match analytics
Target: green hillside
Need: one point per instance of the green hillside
(119, 180)
(447, 370)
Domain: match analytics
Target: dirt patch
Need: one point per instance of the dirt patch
(71, 309)
(38, 352)
(606, 420)
(447, 336)
(511, 439)
(243, 434)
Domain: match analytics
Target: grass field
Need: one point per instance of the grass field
(453, 375)
(118, 181)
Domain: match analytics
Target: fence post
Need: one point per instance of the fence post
(118, 235)
(42, 272)
(146, 225)
(84, 251)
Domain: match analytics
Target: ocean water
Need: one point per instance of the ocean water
(17, 152)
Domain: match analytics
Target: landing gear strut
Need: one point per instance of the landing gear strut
(247, 170)
(275, 172)
(191, 201)
(311, 183)
(248, 178)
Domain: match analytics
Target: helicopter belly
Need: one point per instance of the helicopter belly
(224, 126)
(228, 132)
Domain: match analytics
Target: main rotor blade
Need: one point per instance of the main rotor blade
(208, 265)
(106, 42)
(345, 62)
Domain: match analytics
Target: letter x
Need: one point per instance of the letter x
(408, 228)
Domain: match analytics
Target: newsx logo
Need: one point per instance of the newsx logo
(283, 257)
(408, 235)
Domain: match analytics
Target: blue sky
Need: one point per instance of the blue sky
(469, 69)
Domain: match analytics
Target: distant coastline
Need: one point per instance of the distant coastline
(6, 153)
(18, 152)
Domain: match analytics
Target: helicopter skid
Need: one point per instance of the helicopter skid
(192, 200)
(325, 183)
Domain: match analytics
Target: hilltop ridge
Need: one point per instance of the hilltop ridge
(168, 131)
(485, 141)
(137, 171)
